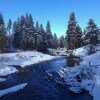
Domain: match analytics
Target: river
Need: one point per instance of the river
(41, 85)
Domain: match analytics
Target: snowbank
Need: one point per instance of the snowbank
(58, 51)
(80, 51)
(93, 59)
(77, 78)
(86, 75)
(2, 79)
(12, 89)
(24, 58)
(6, 70)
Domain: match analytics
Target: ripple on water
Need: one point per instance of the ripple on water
(41, 86)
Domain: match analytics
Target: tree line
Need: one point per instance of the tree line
(76, 38)
(25, 34)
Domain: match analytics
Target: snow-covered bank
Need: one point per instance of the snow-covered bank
(84, 76)
(22, 59)
(80, 51)
(13, 89)
(2, 79)
(6, 70)
(58, 51)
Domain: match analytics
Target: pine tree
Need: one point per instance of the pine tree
(36, 35)
(1, 19)
(31, 22)
(84, 38)
(22, 25)
(37, 27)
(55, 41)
(62, 42)
(16, 32)
(49, 35)
(28, 33)
(9, 27)
(41, 40)
(92, 35)
(3, 37)
(99, 36)
(78, 37)
(71, 31)
(23, 44)
(48, 28)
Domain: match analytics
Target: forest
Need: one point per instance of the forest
(25, 34)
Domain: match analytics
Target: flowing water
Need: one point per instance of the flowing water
(41, 83)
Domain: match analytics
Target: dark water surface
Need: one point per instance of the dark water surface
(41, 85)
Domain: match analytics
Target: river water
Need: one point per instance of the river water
(41, 83)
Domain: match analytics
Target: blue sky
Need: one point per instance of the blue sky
(57, 11)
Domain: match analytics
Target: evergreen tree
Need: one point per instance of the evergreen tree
(9, 27)
(16, 32)
(28, 33)
(71, 31)
(3, 40)
(48, 28)
(36, 35)
(23, 44)
(78, 37)
(31, 22)
(37, 27)
(84, 42)
(22, 25)
(41, 40)
(62, 42)
(1, 19)
(55, 41)
(3, 37)
(99, 36)
(92, 35)
(49, 35)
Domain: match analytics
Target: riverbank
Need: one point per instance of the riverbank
(86, 75)
(42, 85)
(22, 59)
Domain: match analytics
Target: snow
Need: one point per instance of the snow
(62, 51)
(94, 87)
(93, 59)
(2, 79)
(25, 58)
(88, 72)
(96, 90)
(58, 51)
(13, 89)
(6, 70)
(22, 59)
(80, 51)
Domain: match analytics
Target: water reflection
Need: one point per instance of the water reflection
(71, 62)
